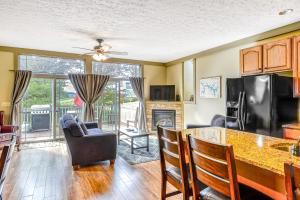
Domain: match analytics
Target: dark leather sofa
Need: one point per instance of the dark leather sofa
(87, 143)
(217, 121)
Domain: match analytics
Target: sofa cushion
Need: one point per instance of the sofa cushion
(211, 194)
(174, 172)
(94, 131)
(74, 127)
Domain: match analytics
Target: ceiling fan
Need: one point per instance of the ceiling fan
(101, 51)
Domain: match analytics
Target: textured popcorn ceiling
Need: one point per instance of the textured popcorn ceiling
(153, 30)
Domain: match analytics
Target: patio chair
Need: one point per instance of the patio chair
(135, 121)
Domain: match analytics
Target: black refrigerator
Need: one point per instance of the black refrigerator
(261, 104)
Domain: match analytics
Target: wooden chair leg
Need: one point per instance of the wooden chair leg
(18, 144)
(186, 195)
(163, 188)
(112, 162)
(18, 148)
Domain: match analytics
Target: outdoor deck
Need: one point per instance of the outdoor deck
(37, 124)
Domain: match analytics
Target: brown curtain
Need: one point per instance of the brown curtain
(22, 79)
(137, 84)
(89, 88)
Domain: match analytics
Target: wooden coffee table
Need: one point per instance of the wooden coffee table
(131, 134)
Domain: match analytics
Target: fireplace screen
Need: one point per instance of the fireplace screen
(164, 118)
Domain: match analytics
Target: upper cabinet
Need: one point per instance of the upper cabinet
(251, 60)
(277, 56)
(270, 57)
(296, 64)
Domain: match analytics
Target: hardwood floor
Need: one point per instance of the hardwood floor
(46, 173)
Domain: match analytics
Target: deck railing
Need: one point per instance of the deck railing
(41, 119)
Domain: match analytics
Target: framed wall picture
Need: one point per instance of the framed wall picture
(210, 87)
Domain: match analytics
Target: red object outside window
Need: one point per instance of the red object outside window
(77, 101)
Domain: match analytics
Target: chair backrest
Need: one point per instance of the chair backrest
(171, 150)
(218, 120)
(5, 160)
(1, 118)
(292, 180)
(213, 165)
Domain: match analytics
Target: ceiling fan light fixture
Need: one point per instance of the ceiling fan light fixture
(105, 48)
(99, 57)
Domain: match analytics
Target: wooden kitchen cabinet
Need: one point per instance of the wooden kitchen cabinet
(296, 65)
(277, 56)
(251, 60)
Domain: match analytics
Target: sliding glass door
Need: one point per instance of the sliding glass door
(108, 107)
(36, 113)
(47, 99)
(49, 96)
(67, 102)
(118, 104)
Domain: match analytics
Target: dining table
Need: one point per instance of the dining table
(259, 158)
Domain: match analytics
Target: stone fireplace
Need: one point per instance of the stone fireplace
(170, 112)
(164, 118)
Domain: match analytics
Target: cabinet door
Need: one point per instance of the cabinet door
(296, 64)
(277, 56)
(251, 60)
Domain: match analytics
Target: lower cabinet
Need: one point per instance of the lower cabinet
(290, 133)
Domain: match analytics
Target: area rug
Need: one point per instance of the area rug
(140, 155)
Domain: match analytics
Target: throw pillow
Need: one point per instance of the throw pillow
(74, 127)
(82, 125)
(84, 128)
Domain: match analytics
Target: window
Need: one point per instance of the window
(117, 70)
(50, 65)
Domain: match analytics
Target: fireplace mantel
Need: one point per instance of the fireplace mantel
(164, 105)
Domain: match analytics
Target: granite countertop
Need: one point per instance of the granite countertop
(251, 148)
(292, 126)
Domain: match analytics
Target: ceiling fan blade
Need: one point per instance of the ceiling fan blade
(117, 53)
(90, 53)
(83, 48)
(106, 47)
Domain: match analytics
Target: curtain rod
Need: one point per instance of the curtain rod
(13, 70)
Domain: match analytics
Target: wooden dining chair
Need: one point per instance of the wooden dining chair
(172, 162)
(292, 180)
(213, 165)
